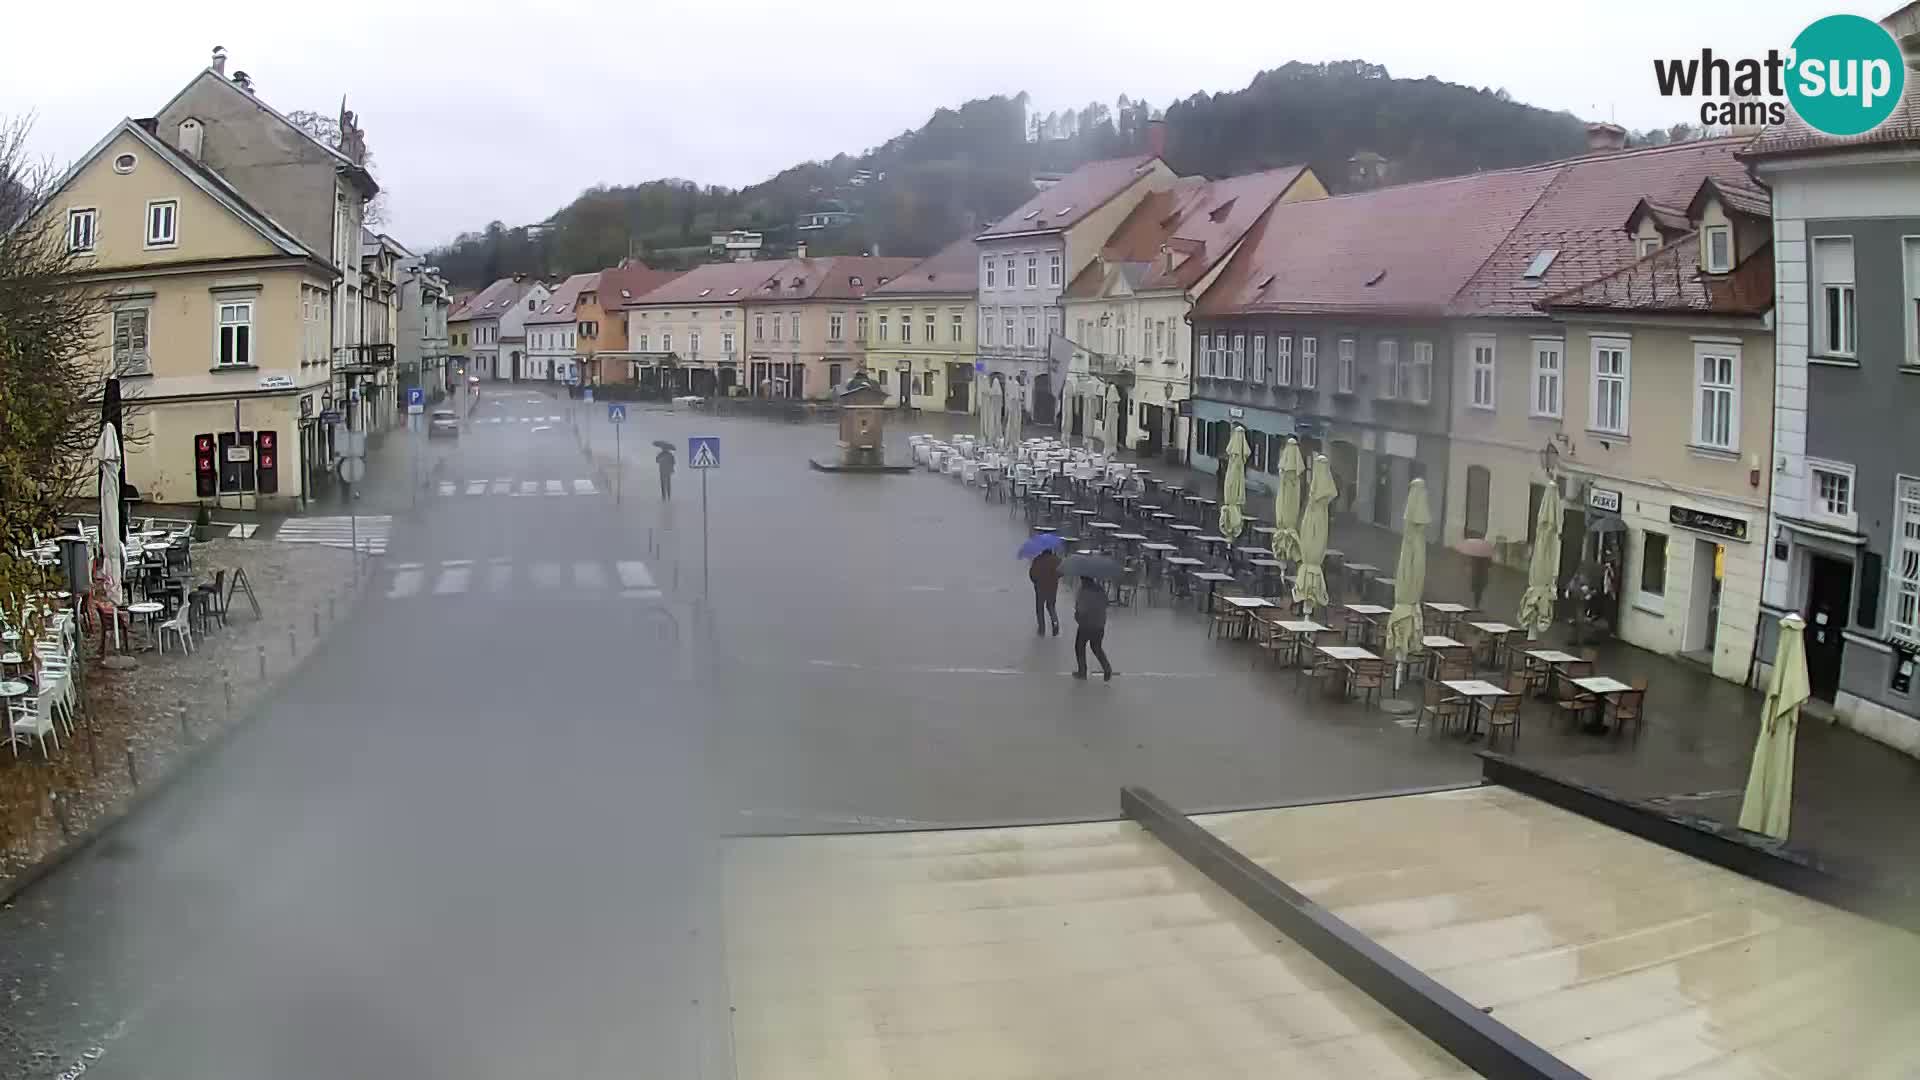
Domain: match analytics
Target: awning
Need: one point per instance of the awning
(1823, 532)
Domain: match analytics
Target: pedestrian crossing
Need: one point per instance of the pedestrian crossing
(628, 578)
(516, 419)
(510, 487)
(370, 531)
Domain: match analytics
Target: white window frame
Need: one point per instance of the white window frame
(1033, 271)
(957, 323)
(726, 343)
(1206, 355)
(1646, 245)
(1483, 371)
(1011, 266)
(1260, 358)
(1283, 359)
(1707, 236)
(243, 311)
(1728, 391)
(1903, 565)
(1009, 319)
(759, 327)
(986, 264)
(1309, 363)
(1817, 507)
(132, 359)
(1054, 265)
(1238, 366)
(1829, 295)
(1548, 382)
(693, 343)
(1420, 390)
(1910, 261)
(1388, 371)
(641, 343)
(1624, 377)
(1346, 349)
(1653, 602)
(1033, 329)
(172, 220)
(83, 223)
(880, 330)
(836, 325)
(906, 328)
(930, 323)
(793, 325)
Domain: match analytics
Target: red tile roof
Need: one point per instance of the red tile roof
(954, 269)
(835, 277)
(1395, 251)
(559, 307)
(1901, 128)
(1670, 281)
(1078, 194)
(713, 283)
(621, 284)
(493, 301)
(1175, 236)
(1579, 216)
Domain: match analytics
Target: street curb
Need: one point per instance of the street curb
(11, 892)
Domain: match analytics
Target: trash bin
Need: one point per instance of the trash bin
(74, 564)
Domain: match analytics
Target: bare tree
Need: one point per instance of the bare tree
(51, 382)
(327, 130)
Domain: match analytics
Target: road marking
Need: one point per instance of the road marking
(641, 594)
(553, 419)
(929, 669)
(406, 583)
(498, 575)
(446, 487)
(503, 487)
(546, 575)
(554, 488)
(529, 487)
(584, 487)
(453, 579)
(634, 574)
(456, 562)
(588, 575)
(242, 532)
(403, 566)
(542, 427)
(476, 487)
(371, 530)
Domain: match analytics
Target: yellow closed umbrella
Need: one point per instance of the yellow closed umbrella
(1286, 503)
(1233, 499)
(1543, 568)
(1768, 806)
(1410, 574)
(1310, 587)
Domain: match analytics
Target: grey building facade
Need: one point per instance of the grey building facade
(422, 344)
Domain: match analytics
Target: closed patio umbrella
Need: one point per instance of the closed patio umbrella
(1310, 587)
(1536, 604)
(109, 458)
(1016, 413)
(1410, 573)
(1233, 517)
(987, 407)
(1286, 503)
(1768, 806)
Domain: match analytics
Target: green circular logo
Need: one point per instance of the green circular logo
(1847, 75)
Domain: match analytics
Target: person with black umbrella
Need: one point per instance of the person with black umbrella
(664, 459)
(1090, 610)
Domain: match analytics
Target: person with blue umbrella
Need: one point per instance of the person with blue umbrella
(1044, 572)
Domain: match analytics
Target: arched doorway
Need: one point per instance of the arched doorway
(516, 365)
(1042, 399)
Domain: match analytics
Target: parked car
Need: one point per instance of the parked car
(444, 423)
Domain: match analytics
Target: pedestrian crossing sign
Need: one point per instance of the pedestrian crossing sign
(703, 452)
(616, 412)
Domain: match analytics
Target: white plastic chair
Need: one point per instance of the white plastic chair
(32, 718)
(178, 627)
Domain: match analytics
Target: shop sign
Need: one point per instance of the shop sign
(306, 406)
(1723, 525)
(276, 382)
(1605, 499)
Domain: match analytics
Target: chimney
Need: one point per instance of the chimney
(800, 250)
(220, 61)
(243, 80)
(1157, 138)
(1603, 138)
(190, 136)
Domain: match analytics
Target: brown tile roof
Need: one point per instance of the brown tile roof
(712, 283)
(1670, 281)
(1669, 220)
(1196, 221)
(1754, 202)
(493, 301)
(1394, 251)
(835, 277)
(622, 284)
(1078, 194)
(953, 269)
(1579, 216)
(559, 307)
(1901, 128)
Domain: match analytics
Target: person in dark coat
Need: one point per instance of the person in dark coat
(1479, 565)
(1090, 617)
(664, 459)
(1045, 575)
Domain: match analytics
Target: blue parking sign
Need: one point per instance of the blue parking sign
(616, 412)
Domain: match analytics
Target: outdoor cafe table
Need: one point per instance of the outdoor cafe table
(1130, 537)
(1371, 613)
(1495, 632)
(146, 609)
(1346, 654)
(1477, 692)
(1301, 630)
(1177, 564)
(1212, 539)
(1214, 580)
(1245, 607)
(1438, 645)
(1601, 687)
(1449, 612)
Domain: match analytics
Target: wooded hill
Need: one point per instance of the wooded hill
(967, 167)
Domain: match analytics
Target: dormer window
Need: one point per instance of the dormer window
(704, 292)
(1718, 243)
(854, 281)
(1063, 211)
(1646, 246)
(1030, 215)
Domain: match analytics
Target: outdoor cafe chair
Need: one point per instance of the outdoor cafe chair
(32, 718)
(177, 626)
(1628, 705)
(1224, 620)
(1504, 712)
(1367, 678)
(1439, 704)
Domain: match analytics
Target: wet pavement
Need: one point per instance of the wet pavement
(474, 836)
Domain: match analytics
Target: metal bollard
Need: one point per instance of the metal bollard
(133, 768)
(186, 733)
(263, 662)
(226, 687)
(60, 815)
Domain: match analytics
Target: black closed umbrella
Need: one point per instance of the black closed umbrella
(1097, 567)
(664, 445)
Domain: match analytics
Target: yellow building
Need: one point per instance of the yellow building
(935, 303)
(216, 318)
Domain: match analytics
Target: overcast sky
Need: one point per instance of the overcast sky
(490, 111)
